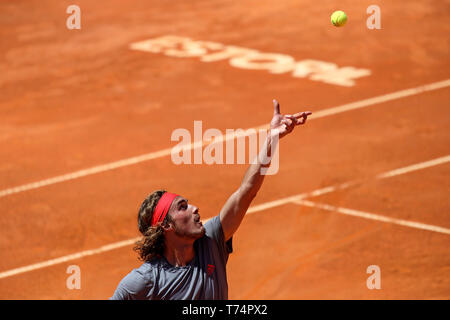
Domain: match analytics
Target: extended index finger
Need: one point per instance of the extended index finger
(302, 114)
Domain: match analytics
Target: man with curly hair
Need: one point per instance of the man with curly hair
(184, 259)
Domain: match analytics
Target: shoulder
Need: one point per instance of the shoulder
(213, 228)
(137, 284)
(212, 224)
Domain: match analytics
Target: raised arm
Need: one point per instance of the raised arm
(237, 204)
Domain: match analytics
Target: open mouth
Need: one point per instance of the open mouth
(197, 220)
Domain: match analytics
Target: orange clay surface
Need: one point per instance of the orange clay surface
(76, 99)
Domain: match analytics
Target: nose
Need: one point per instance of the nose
(195, 210)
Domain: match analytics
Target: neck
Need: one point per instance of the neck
(179, 255)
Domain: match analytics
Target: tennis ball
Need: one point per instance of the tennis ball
(338, 18)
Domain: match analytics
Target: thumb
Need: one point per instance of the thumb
(276, 107)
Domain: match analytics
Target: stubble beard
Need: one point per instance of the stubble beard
(190, 235)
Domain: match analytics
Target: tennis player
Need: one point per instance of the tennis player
(184, 259)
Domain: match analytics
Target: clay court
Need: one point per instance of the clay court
(85, 135)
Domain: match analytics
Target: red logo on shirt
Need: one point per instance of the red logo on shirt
(210, 269)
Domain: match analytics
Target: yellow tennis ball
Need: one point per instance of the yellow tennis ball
(338, 18)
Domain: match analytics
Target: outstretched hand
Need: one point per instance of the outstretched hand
(285, 124)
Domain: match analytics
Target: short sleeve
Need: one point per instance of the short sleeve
(214, 230)
(134, 286)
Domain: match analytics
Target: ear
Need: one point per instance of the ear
(167, 226)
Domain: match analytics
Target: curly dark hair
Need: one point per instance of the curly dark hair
(151, 246)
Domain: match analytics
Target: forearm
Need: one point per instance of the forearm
(254, 178)
(237, 205)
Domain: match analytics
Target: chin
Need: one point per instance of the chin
(201, 233)
(196, 234)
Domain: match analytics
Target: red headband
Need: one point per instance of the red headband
(163, 207)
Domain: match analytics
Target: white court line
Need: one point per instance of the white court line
(69, 257)
(382, 98)
(372, 216)
(167, 152)
(414, 167)
(252, 209)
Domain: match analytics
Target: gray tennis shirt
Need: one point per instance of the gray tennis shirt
(204, 278)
